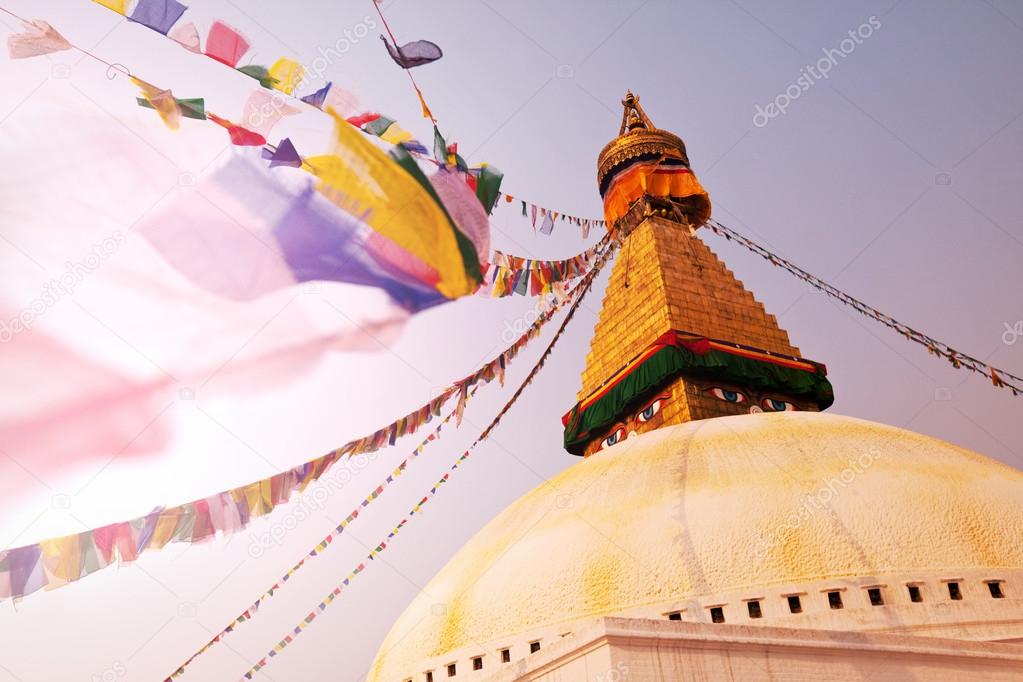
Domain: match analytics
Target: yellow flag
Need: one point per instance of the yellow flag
(119, 6)
(163, 101)
(288, 73)
(62, 557)
(395, 134)
(365, 182)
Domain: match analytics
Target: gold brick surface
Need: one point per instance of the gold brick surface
(665, 278)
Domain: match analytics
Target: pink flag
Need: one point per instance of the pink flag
(38, 38)
(186, 35)
(226, 44)
(263, 109)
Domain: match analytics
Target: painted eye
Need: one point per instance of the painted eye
(617, 436)
(728, 396)
(773, 405)
(648, 412)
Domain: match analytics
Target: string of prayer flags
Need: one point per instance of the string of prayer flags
(532, 211)
(240, 136)
(417, 508)
(506, 274)
(999, 377)
(162, 101)
(413, 54)
(315, 551)
(288, 73)
(22, 571)
(159, 15)
(226, 44)
(37, 38)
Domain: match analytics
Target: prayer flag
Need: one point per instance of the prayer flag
(37, 39)
(159, 15)
(260, 74)
(226, 44)
(319, 97)
(240, 136)
(488, 186)
(288, 73)
(399, 203)
(285, 155)
(119, 6)
(163, 101)
(186, 35)
(413, 54)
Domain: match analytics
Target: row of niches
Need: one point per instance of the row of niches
(475, 662)
(812, 605)
(841, 597)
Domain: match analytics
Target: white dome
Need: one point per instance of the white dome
(713, 506)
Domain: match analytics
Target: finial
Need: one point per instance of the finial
(634, 117)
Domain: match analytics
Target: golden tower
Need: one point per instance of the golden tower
(678, 338)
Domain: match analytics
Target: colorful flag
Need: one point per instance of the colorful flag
(464, 208)
(162, 101)
(284, 155)
(397, 201)
(194, 107)
(37, 39)
(413, 54)
(263, 110)
(226, 44)
(240, 136)
(548, 223)
(288, 73)
(159, 15)
(119, 6)
(186, 35)
(319, 97)
(488, 186)
(260, 73)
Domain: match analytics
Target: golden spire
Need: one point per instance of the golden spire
(622, 180)
(678, 338)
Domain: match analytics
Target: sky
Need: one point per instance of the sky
(895, 178)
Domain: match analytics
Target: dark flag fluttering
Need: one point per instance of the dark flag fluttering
(416, 53)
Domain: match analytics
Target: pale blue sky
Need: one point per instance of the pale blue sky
(896, 179)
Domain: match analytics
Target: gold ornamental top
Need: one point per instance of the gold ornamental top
(638, 137)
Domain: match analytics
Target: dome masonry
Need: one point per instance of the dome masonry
(714, 507)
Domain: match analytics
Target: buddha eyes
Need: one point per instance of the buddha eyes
(617, 436)
(773, 405)
(727, 395)
(648, 412)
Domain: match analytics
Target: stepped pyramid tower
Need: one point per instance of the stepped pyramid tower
(720, 526)
(679, 338)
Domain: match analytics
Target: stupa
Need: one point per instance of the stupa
(720, 526)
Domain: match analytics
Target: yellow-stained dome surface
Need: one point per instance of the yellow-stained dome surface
(711, 506)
